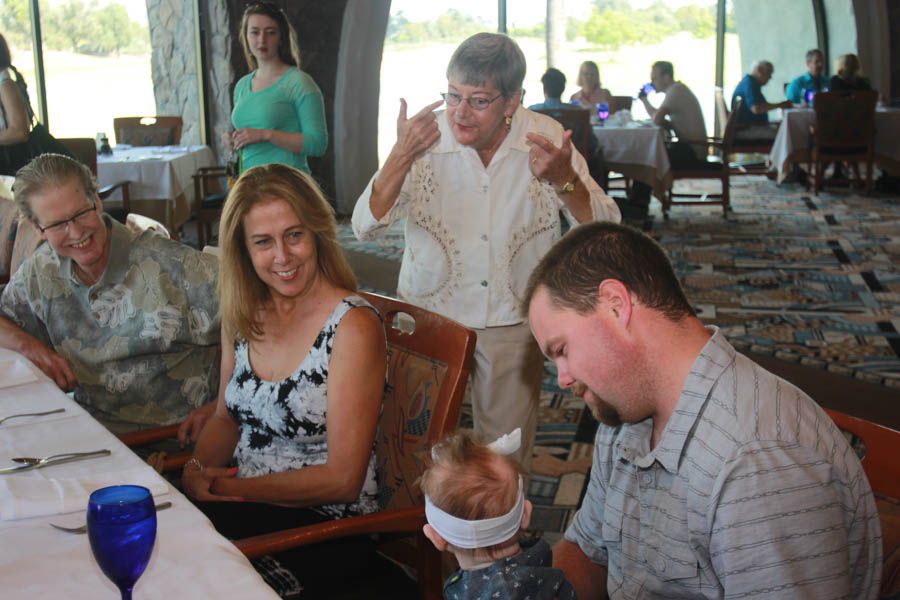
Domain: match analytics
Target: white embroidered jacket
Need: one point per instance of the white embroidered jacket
(474, 233)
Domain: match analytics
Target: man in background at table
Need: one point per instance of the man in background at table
(753, 117)
(129, 321)
(680, 111)
(813, 80)
(711, 477)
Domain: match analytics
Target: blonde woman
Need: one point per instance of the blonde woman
(591, 92)
(291, 441)
(848, 74)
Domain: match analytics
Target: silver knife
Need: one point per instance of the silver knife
(52, 460)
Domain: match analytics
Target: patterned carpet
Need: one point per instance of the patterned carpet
(811, 279)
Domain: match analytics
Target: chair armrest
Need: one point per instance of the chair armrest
(149, 436)
(106, 192)
(405, 519)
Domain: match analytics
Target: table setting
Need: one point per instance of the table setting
(637, 149)
(161, 178)
(61, 470)
(792, 140)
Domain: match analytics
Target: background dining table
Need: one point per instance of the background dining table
(190, 559)
(161, 178)
(636, 150)
(792, 140)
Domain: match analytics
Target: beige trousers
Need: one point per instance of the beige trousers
(506, 385)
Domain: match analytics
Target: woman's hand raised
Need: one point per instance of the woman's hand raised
(549, 162)
(416, 134)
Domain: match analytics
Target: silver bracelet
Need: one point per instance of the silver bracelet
(193, 462)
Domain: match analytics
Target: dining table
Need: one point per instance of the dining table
(791, 143)
(636, 149)
(189, 560)
(161, 178)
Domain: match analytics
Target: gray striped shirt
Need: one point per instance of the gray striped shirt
(752, 492)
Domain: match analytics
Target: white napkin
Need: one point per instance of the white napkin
(15, 372)
(22, 497)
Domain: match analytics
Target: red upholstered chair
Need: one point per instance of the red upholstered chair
(427, 372)
(882, 448)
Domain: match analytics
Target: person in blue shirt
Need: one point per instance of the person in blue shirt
(814, 79)
(554, 82)
(754, 112)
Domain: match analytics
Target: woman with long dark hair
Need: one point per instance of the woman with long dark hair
(14, 125)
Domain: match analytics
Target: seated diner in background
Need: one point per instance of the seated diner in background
(711, 477)
(848, 74)
(292, 440)
(753, 117)
(592, 92)
(14, 125)
(811, 81)
(680, 112)
(128, 321)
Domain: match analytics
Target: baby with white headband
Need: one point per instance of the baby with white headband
(476, 508)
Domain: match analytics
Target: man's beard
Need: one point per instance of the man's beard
(602, 411)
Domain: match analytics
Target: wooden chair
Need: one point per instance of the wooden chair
(844, 131)
(427, 373)
(578, 120)
(713, 168)
(210, 193)
(85, 150)
(148, 131)
(620, 103)
(883, 472)
(746, 146)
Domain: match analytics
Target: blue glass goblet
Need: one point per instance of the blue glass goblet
(602, 112)
(121, 522)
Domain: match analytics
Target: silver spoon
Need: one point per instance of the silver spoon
(28, 460)
(38, 414)
(83, 528)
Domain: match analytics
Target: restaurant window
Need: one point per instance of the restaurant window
(624, 38)
(96, 58)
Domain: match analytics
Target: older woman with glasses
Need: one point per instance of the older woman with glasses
(481, 185)
(279, 113)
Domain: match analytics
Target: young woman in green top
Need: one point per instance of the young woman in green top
(279, 113)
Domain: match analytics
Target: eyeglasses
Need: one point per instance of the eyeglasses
(82, 217)
(474, 102)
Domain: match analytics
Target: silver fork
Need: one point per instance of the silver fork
(83, 528)
(38, 414)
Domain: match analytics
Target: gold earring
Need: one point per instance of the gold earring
(508, 121)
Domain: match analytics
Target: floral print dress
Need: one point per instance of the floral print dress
(282, 423)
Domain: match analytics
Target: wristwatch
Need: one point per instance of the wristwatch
(569, 186)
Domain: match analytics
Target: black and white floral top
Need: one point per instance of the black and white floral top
(282, 423)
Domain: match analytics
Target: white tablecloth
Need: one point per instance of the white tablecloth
(190, 560)
(161, 186)
(792, 140)
(638, 152)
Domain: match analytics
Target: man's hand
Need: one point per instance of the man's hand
(190, 429)
(52, 364)
(417, 134)
(549, 162)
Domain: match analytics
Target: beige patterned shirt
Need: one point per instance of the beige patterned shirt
(143, 341)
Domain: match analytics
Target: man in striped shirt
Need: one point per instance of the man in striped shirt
(711, 478)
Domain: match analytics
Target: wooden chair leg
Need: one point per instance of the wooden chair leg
(430, 576)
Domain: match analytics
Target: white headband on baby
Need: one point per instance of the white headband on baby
(484, 532)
